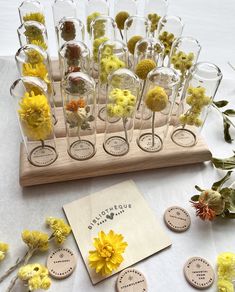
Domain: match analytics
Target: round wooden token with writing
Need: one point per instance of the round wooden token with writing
(130, 280)
(199, 273)
(61, 263)
(177, 219)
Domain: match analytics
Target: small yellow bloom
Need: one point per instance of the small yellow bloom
(61, 230)
(156, 99)
(35, 116)
(36, 240)
(36, 70)
(37, 16)
(226, 265)
(3, 250)
(34, 57)
(107, 255)
(225, 286)
(40, 44)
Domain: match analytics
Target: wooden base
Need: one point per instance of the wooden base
(65, 168)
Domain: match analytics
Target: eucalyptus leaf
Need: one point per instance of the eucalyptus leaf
(229, 112)
(217, 185)
(226, 163)
(198, 188)
(221, 103)
(90, 119)
(195, 198)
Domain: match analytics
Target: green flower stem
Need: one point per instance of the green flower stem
(232, 124)
(153, 128)
(141, 95)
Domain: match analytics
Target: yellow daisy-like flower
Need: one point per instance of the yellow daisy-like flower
(40, 44)
(156, 99)
(107, 255)
(35, 239)
(61, 230)
(226, 265)
(35, 276)
(3, 249)
(34, 57)
(35, 116)
(34, 16)
(225, 286)
(36, 70)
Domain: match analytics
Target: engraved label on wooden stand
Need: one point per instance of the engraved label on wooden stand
(43, 156)
(177, 219)
(131, 280)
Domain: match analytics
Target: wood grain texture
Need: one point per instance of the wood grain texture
(65, 168)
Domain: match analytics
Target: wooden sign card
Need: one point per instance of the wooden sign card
(120, 208)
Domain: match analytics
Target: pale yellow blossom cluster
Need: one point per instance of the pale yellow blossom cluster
(60, 229)
(3, 250)
(226, 272)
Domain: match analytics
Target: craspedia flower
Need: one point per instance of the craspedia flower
(61, 230)
(144, 67)
(40, 44)
(34, 16)
(132, 43)
(90, 18)
(36, 240)
(68, 31)
(35, 116)
(4, 247)
(36, 70)
(156, 99)
(120, 19)
(224, 286)
(107, 255)
(226, 265)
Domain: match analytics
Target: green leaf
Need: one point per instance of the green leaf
(198, 188)
(229, 214)
(229, 112)
(226, 163)
(229, 195)
(90, 119)
(220, 103)
(217, 185)
(195, 198)
(227, 124)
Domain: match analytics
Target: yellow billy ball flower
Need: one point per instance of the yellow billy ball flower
(35, 239)
(132, 43)
(36, 16)
(225, 286)
(107, 255)
(35, 116)
(156, 99)
(3, 249)
(120, 19)
(36, 70)
(144, 67)
(61, 230)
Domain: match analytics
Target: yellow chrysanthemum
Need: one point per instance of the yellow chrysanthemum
(34, 57)
(35, 239)
(35, 276)
(144, 67)
(132, 43)
(226, 265)
(3, 249)
(225, 286)
(107, 255)
(34, 16)
(90, 18)
(156, 99)
(40, 44)
(36, 70)
(35, 116)
(61, 230)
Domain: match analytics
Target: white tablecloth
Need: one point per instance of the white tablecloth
(212, 22)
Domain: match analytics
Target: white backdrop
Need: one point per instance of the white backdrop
(212, 22)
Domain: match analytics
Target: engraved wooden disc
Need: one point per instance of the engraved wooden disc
(130, 280)
(61, 263)
(199, 273)
(177, 219)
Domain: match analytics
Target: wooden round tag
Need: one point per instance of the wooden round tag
(177, 219)
(61, 263)
(130, 280)
(199, 273)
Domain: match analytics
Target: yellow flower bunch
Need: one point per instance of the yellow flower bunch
(32, 32)
(35, 276)
(167, 40)
(156, 99)
(40, 44)
(109, 65)
(182, 62)
(96, 45)
(34, 57)
(225, 286)
(132, 43)
(197, 99)
(99, 28)
(120, 19)
(226, 272)
(36, 70)
(122, 103)
(35, 116)
(90, 18)
(3, 249)
(154, 18)
(34, 16)
(36, 240)
(60, 229)
(144, 67)
(107, 255)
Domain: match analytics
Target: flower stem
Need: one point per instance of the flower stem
(141, 95)
(125, 130)
(43, 143)
(121, 33)
(153, 134)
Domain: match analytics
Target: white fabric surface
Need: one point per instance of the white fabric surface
(212, 22)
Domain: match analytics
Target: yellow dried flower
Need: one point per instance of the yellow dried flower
(35, 116)
(108, 65)
(225, 286)
(167, 40)
(154, 18)
(96, 45)
(35, 276)
(61, 230)
(182, 62)
(226, 265)
(120, 19)
(3, 249)
(34, 57)
(156, 99)
(40, 44)
(144, 67)
(34, 16)
(107, 255)
(90, 18)
(36, 70)
(132, 43)
(36, 240)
